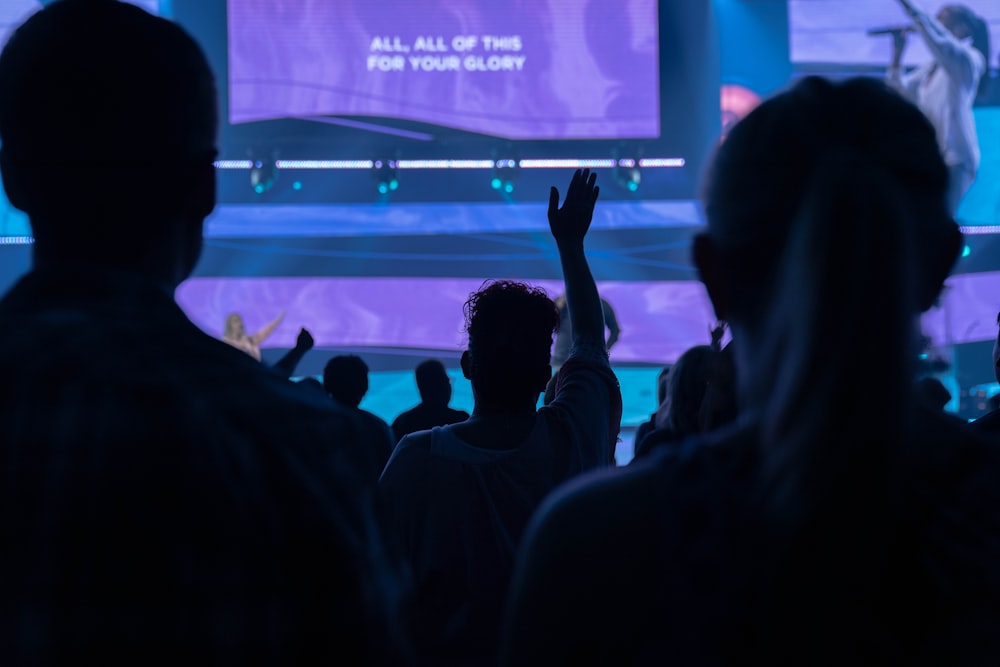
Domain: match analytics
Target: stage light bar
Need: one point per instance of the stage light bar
(566, 164)
(543, 163)
(233, 164)
(646, 163)
(444, 164)
(324, 164)
(16, 240)
(980, 229)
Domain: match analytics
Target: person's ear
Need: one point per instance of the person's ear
(466, 363)
(709, 262)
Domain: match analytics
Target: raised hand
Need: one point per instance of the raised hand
(305, 340)
(572, 220)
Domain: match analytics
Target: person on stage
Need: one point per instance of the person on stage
(564, 336)
(946, 87)
(236, 334)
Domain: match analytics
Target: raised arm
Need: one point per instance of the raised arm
(267, 329)
(287, 364)
(586, 391)
(569, 225)
(963, 63)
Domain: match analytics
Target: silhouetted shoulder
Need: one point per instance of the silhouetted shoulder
(182, 444)
(987, 425)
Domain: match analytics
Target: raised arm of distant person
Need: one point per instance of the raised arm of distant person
(267, 329)
(965, 65)
(287, 364)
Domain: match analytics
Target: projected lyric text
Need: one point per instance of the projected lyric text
(440, 53)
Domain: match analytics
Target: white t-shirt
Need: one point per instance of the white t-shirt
(945, 90)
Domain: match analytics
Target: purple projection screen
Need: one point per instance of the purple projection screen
(515, 69)
(659, 320)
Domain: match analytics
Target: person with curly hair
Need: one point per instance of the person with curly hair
(459, 496)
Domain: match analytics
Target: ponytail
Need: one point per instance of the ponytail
(848, 265)
(830, 202)
(829, 430)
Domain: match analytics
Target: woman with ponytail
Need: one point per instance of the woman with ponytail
(835, 521)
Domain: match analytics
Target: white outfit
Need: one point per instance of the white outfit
(945, 90)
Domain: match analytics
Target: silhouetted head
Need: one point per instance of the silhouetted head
(234, 326)
(510, 326)
(774, 161)
(661, 384)
(433, 382)
(687, 384)
(345, 379)
(828, 234)
(932, 393)
(108, 121)
(720, 405)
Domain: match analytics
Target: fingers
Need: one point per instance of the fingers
(582, 188)
(553, 200)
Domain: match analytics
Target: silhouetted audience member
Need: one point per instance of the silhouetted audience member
(459, 496)
(166, 500)
(345, 379)
(434, 386)
(989, 423)
(648, 426)
(683, 412)
(932, 392)
(312, 384)
(720, 405)
(700, 396)
(836, 521)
